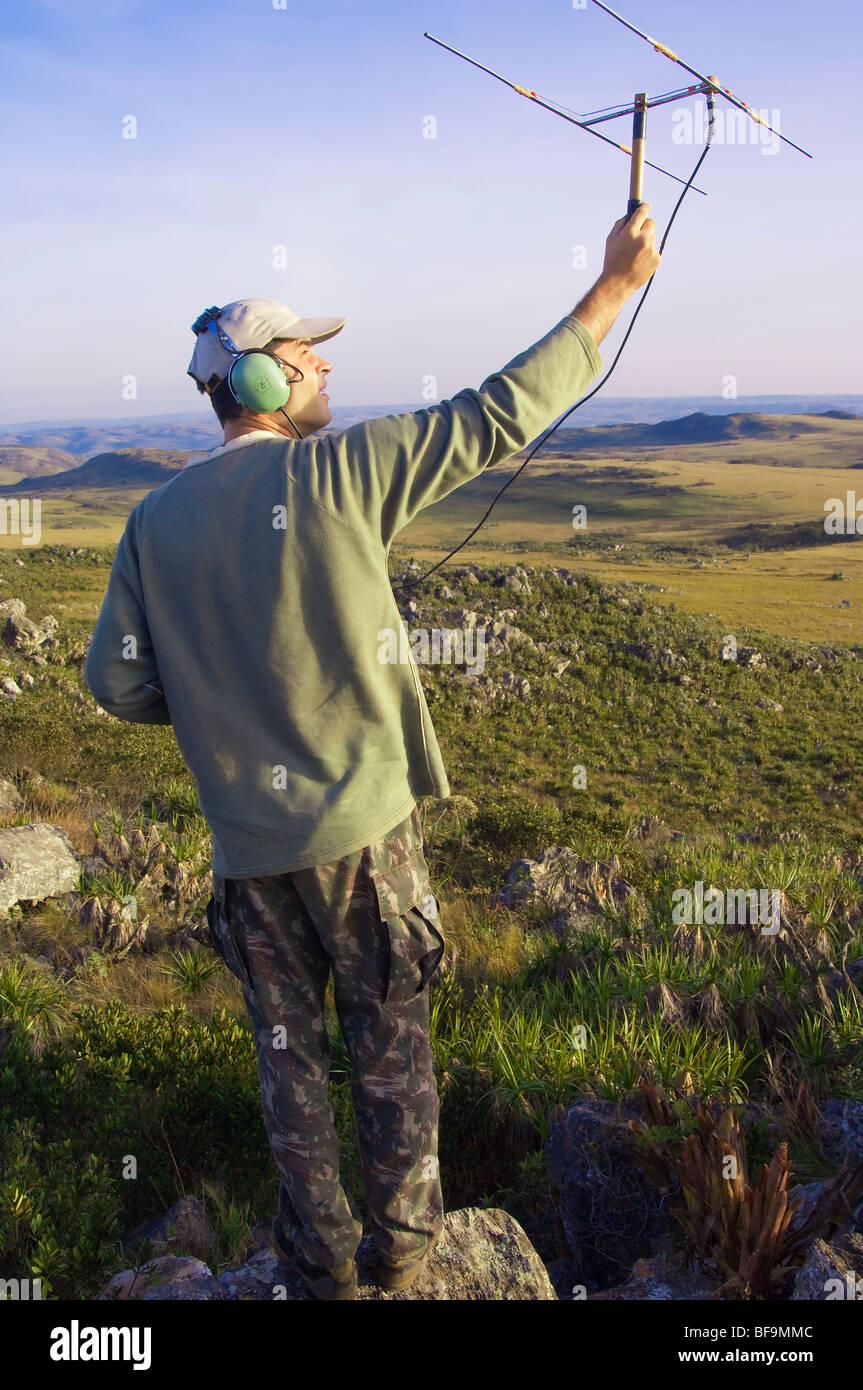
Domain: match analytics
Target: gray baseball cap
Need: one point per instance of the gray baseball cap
(249, 323)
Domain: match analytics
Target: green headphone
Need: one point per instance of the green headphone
(256, 379)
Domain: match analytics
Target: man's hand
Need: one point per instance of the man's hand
(631, 258)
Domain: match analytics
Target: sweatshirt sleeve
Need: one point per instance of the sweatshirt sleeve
(382, 472)
(120, 670)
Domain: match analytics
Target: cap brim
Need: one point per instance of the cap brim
(316, 330)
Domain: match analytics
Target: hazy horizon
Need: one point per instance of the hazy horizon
(591, 411)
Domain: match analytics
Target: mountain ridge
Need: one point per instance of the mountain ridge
(198, 429)
(145, 466)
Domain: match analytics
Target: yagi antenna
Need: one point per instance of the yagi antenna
(710, 88)
(557, 110)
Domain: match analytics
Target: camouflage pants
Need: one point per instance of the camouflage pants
(372, 919)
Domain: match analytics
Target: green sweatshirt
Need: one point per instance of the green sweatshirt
(247, 597)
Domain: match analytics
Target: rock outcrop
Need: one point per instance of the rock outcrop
(36, 862)
(482, 1255)
(832, 1270)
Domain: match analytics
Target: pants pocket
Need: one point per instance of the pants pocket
(223, 933)
(416, 948)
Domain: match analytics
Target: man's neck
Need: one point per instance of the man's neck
(234, 428)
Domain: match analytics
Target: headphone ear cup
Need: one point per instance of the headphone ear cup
(259, 383)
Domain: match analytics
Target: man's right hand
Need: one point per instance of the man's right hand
(631, 256)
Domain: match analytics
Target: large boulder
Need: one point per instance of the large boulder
(36, 862)
(482, 1255)
(610, 1212)
(560, 879)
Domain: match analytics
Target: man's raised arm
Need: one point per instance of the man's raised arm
(382, 472)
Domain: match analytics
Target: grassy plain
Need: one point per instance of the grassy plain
(655, 505)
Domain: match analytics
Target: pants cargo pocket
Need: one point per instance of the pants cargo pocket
(223, 933)
(412, 939)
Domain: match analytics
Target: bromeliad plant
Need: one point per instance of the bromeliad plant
(743, 1232)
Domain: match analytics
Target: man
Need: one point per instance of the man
(244, 607)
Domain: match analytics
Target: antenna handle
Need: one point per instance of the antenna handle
(636, 170)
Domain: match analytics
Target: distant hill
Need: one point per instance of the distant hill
(143, 466)
(36, 461)
(118, 468)
(199, 430)
(85, 441)
(699, 428)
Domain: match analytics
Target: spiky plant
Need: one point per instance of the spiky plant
(192, 969)
(33, 1002)
(743, 1232)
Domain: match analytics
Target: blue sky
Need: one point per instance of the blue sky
(302, 127)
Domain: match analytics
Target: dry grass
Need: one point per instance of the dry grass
(58, 806)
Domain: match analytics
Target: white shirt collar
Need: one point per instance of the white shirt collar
(239, 443)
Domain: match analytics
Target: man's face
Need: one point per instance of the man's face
(309, 405)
